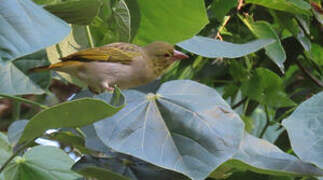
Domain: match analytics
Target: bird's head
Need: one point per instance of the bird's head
(164, 51)
(163, 54)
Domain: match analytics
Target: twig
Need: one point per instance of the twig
(287, 113)
(309, 75)
(27, 101)
(267, 123)
(239, 103)
(89, 36)
(240, 4)
(225, 22)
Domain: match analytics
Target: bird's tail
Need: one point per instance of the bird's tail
(55, 66)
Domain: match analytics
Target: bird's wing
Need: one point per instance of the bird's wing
(117, 52)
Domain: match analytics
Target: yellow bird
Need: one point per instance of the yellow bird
(122, 64)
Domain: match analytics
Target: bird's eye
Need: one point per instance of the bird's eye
(166, 55)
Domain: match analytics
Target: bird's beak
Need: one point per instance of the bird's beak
(179, 55)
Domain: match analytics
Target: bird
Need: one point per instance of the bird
(120, 64)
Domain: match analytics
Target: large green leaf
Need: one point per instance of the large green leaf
(27, 28)
(169, 20)
(263, 157)
(264, 30)
(291, 6)
(266, 87)
(305, 130)
(16, 82)
(186, 127)
(212, 48)
(79, 12)
(41, 163)
(5, 148)
(76, 113)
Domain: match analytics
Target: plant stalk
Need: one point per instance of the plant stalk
(24, 100)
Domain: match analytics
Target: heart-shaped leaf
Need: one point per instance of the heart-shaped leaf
(186, 127)
(36, 164)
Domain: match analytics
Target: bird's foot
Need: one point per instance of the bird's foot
(107, 87)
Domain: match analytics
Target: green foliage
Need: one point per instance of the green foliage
(266, 87)
(250, 67)
(263, 29)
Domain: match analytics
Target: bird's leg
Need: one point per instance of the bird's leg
(106, 86)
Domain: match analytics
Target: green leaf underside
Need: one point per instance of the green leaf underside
(175, 131)
(167, 20)
(304, 127)
(36, 164)
(76, 113)
(212, 48)
(29, 28)
(263, 157)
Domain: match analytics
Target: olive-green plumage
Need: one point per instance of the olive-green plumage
(123, 64)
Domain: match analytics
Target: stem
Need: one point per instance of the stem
(15, 154)
(309, 75)
(16, 110)
(225, 22)
(267, 122)
(27, 101)
(222, 81)
(287, 113)
(239, 103)
(89, 36)
(240, 4)
(80, 132)
(245, 106)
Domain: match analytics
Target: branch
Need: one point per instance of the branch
(239, 103)
(267, 123)
(309, 75)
